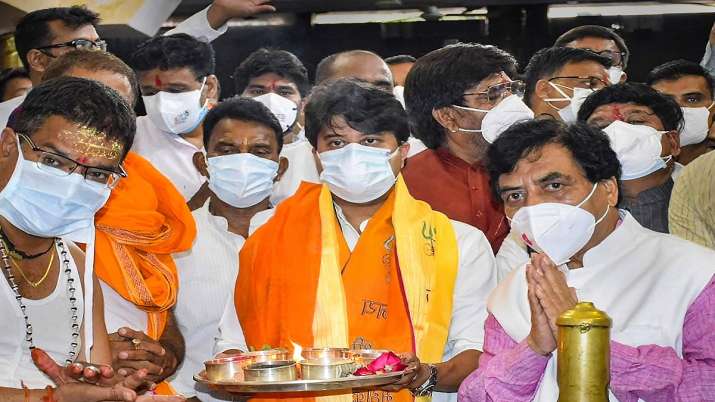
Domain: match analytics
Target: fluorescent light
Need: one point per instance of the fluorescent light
(387, 16)
(625, 9)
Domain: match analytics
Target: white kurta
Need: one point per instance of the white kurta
(207, 278)
(644, 280)
(7, 107)
(301, 167)
(476, 278)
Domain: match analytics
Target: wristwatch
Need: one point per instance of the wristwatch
(428, 386)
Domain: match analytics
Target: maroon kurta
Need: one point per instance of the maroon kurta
(459, 190)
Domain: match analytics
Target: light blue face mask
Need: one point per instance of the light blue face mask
(47, 205)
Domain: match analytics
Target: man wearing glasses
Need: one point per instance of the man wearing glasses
(43, 35)
(602, 41)
(559, 79)
(459, 99)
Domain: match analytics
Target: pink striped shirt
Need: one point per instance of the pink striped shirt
(511, 372)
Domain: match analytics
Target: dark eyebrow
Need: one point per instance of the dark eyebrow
(503, 190)
(693, 93)
(552, 176)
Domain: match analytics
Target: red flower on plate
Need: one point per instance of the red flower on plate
(386, 363)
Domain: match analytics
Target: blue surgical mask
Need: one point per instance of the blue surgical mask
(241, 180)
(358, 173)
(47, 205)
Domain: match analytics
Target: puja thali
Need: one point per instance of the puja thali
(333, 384)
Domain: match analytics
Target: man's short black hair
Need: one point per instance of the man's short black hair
(280, 62)
(400, 59)
(589, 146)
(84, 102)
(33, 30)
(8, 75)
(92, 60)
(365, 108)
(440, 78)
(676, 69)
(244, 109)
(174, 52)
(594, 31)
(636, 93)
(548, 61)
(324, 70)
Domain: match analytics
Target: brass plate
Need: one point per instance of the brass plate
(334, 384)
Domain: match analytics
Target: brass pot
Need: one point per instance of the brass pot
(271, 371)
(325, 353)
(260, 356)
(227, 368)
(325, 369)
(583, 356)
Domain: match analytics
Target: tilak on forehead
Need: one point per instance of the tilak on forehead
(616, 113)
(157, 80)
(91, 143)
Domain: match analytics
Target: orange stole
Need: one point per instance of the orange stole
(144, 221)
(377, 309)
(280, 264)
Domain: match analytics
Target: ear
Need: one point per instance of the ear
(542, 89)
(37, 60)
(673, 139)
(282, 167)
(8, 142)
(318, 165)
(213, 91)
(446, 117)
(404, 151)
(199, 160)
(611, 186)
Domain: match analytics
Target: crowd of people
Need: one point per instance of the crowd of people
(448, 208)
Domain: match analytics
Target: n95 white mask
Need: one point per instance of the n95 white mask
(695, 128)
(555, 229)
(569, 114)
(502, 116)
(358, 173)
(638, 148)
(176, 113)
(284, 109)
(241, 180)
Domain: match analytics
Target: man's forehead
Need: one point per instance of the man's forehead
(364, 66)
(492, 79)
(82, 143)
(241, 132)
(63, 33)
(271, 80)
(594, 43)
(683, 85)
(583, 68)
(613, 109)
(174, 75)
(551, 158)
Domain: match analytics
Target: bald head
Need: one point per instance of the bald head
(359, 64)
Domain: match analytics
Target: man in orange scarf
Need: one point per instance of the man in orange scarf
(144, 221)
(357, 262)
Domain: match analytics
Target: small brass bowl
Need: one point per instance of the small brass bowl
(267, 355)
(363, 357)
(227, 368)
(271, 371)
(326, 369)
(325, 353)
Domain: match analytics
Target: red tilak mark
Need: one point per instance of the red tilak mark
(617, 115)
(82, 159)
(157, 81)
(272, 86)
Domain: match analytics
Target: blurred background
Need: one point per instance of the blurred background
(312, 29)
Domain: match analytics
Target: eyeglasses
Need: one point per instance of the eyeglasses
(62, 166)
(616, 57)
(498, 91)
(591, 82)
(79, 44)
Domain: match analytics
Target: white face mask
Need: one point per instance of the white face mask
(358, 173)
(50, 205)
(241, 180)
(555, 229)
(695, 127)
(177, 113)
(285, 110)
(502, 116)
(399, 92)
(569, 113)
(614, 74)
(638, 149)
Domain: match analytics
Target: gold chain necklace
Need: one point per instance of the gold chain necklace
(39, 282)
